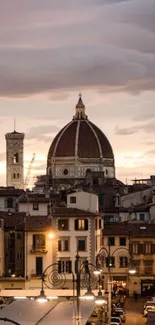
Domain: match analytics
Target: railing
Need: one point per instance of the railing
(38, 249)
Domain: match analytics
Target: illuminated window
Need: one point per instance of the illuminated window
(81, 224)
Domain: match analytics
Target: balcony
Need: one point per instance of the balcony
(38, 249)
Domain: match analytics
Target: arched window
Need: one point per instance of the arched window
(16, 158)
(14, 175)
(18, 175)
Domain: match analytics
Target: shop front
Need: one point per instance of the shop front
(148, 287)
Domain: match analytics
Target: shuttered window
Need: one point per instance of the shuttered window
(123, 261)
(81, 224)
(64, 266)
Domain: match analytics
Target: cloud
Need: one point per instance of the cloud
(38, 168)
(125, 131)
(146, 128)
(48, 46)
(144, 117)
(42, 132)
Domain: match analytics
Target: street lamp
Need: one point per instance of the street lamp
(100, 300)
(100, 261)
(53, 277)
(42, 297)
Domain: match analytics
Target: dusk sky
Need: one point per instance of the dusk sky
(50, 50)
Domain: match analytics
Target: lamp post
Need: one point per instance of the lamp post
(53, 277)
(100, 260)
(5, 319)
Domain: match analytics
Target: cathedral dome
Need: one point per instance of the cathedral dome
(80, 139)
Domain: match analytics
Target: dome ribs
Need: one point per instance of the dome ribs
(66, 143)
(87, 142)
(107, 151)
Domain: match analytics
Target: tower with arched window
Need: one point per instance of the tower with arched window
(14, 159)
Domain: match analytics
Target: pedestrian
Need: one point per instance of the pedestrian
(135, 295)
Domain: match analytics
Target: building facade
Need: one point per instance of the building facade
(124, 242)
(14, 159)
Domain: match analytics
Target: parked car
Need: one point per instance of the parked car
(120, 313)
(116, 319)
(149, 306)
(147, 309)
(149, 303)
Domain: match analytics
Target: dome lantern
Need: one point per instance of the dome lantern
(80, 110)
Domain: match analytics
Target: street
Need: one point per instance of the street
(134, 312)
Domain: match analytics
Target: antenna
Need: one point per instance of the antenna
(14, 124)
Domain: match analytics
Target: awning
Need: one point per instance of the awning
(28, 312)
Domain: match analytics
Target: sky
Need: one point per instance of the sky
(51, 50)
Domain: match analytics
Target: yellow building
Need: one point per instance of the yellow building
(127, 243)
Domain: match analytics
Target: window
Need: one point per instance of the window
(35, 206)
(147, 248)
(39, 241)
(14, 175)
(81, 245)
(135, 248)
(81, 224)
(122, 241)
(63, 245)
(39, 265)
(148, 267)
(63, 224)
(73, 199)
(123, 261)
(95, 181)
(110, 261)
(64, 266)
(18, 175)
(111, 241)
(19, 256)
(137, 265)
(19, 236)
(81, 264)
(95, 224)
(16, 158)
(9, 202)
(142, 217)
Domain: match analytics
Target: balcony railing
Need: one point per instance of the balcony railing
(38, 249)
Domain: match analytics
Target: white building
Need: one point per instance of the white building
(34, 204)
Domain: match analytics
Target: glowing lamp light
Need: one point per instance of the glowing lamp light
(20, 297)
(52, 298)
(132, 271)
(51, 235)
(100, 300)
(88, 295)
(42, 297)
(97, 272)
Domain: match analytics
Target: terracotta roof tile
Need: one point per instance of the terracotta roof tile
(10, 191)
(130, 229)
(19, 221)
(38, 223)
(63, 211)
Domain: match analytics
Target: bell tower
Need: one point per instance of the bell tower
(14, 159)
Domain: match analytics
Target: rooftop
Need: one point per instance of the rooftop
(130, 229)
(63, 211)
